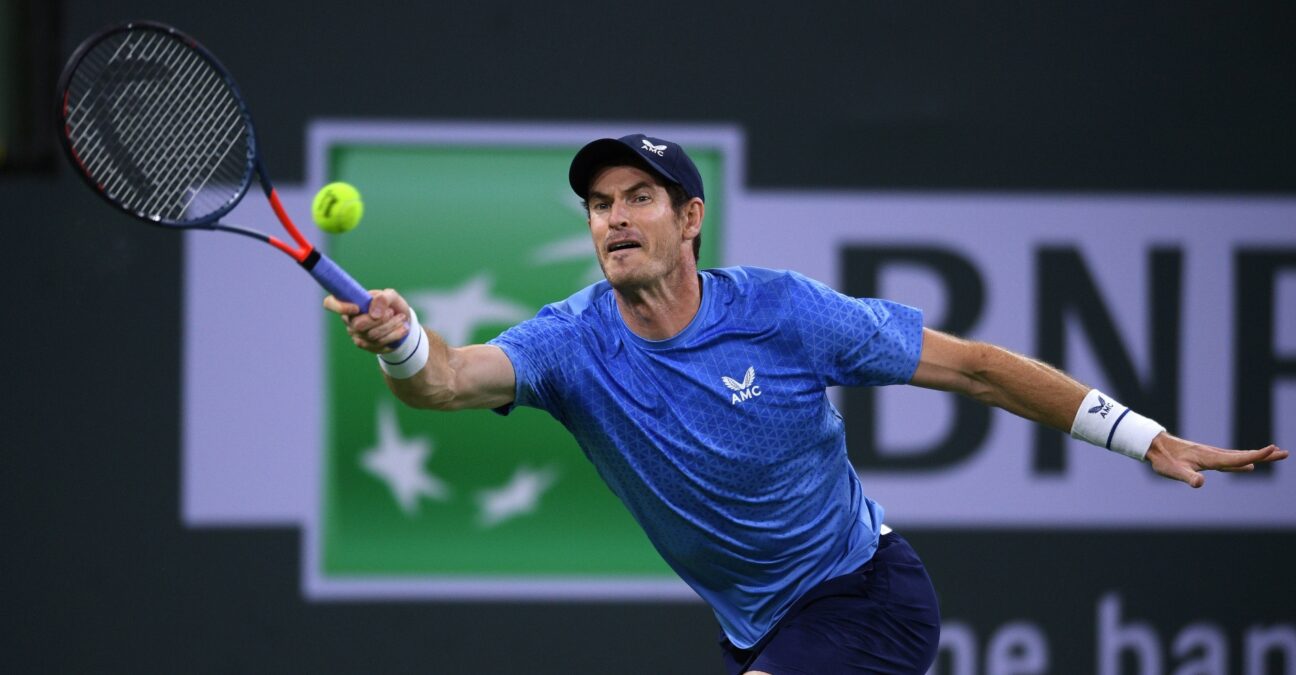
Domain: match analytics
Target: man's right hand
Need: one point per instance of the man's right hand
(386, 321)
(473, 376)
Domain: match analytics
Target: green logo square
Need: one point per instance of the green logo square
(478, 237)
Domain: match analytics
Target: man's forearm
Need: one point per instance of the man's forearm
(433, 385)
(1027, 387)
(998, 377)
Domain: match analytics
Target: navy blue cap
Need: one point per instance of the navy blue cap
(666, 158)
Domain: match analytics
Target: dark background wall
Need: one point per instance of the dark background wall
(100, 575)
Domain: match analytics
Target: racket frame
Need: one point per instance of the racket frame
(326, 272)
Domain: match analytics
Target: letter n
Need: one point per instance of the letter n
(862, 267)
(1066, 290)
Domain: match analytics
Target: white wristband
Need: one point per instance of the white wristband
(412, 354)
(1106, 423)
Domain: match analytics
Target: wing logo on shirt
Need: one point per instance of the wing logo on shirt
(742, 391)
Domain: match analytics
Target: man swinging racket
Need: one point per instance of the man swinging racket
(699, 395)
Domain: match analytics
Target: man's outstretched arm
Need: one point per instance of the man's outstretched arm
(433, 374)
(1044, 394)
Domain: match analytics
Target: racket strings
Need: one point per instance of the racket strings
(125, 126)
(149, 117)
(129, 129)
(158, 127)
(165, 161)
(197, 89)
(183, 140)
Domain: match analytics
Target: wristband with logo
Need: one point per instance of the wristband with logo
(412, 354)
(1103, 421)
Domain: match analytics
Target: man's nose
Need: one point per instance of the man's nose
(620, 215)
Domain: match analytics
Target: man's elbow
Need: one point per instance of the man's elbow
(424, 398)
(429, 403)
(978, 368)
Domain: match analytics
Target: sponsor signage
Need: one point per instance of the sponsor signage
(1183, 308)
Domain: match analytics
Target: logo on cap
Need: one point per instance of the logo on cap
(659, 150)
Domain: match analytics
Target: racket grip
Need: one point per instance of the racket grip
(335, 280)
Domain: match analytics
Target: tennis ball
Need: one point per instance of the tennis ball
(337, 208)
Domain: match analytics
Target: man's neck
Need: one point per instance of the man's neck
(664, 309)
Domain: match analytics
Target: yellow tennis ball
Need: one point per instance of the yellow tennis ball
(337, 208)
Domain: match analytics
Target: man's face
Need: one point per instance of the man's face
(638, 237)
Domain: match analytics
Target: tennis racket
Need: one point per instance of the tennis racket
(156, 126)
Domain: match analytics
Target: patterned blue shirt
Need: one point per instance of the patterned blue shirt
(721, 440)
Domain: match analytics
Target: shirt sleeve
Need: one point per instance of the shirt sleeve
(855, 341)
(538, 349)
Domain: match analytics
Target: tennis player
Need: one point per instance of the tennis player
(699, 396)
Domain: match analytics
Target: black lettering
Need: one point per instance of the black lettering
(862, 269)
(1065, 289)
(1256, 363)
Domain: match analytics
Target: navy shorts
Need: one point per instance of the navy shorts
(881, 618)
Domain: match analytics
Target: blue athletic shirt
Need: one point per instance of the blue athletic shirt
(721, 440)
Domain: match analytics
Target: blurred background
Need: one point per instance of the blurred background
(1106, 104)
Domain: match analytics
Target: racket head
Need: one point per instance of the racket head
(156, 126)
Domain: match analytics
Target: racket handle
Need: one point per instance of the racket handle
(335, 280)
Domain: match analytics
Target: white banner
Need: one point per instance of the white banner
(1014, 268)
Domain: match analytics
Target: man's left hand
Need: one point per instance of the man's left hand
(1182, 460)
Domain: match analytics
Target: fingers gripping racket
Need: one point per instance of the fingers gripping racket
(156, 126)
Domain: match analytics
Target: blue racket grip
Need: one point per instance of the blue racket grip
(335, 280)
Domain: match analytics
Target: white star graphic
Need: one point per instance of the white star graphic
(399, 463)
(571, 248)
(455, 314)
(519, 496)
(575, 248)
(579, 248)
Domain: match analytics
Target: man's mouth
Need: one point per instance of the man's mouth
(622, 245)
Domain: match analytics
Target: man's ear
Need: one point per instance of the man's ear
(694, 211)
